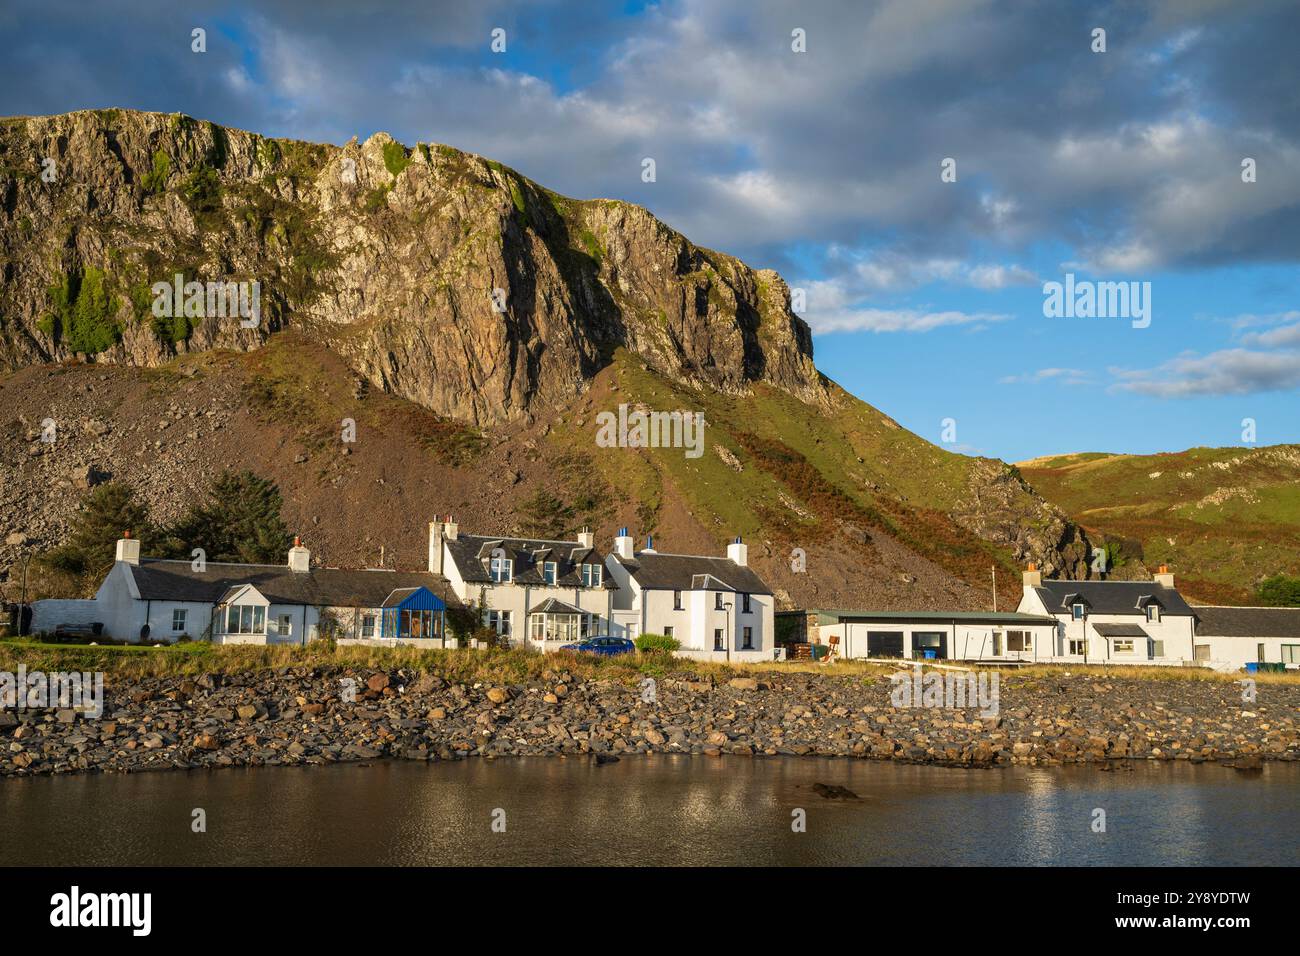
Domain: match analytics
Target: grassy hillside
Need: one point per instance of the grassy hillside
(1223, 518)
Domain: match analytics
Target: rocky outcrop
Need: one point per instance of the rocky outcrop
(302, 715)
(1000, 507)
(440, 276)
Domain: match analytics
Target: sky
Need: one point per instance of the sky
(919, 170)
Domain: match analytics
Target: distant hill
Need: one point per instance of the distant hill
(1223, 518)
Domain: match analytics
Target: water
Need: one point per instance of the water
(665, 810)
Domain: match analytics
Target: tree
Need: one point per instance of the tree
(543, 515)
(1280, 591)
(108, 512)
(240, 522)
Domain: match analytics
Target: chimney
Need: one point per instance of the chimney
(1033, 577)
(435, 547)
(299, 557)
(586, 538)
(450, 529)
(649, 543)
(1164, 577)
(623, 544)
(128, 549)
(738, 552)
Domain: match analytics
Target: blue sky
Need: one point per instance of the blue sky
(925, 297)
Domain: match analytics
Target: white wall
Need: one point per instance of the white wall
(52, 612)
(1234, 653)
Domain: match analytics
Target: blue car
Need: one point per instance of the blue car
(608, 646)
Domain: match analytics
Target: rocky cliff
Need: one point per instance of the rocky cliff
(440, 276)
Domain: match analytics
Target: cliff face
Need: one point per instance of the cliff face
(440, 276)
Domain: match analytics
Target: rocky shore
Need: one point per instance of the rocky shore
(316, 715)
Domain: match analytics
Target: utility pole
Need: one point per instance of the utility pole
(994, 569)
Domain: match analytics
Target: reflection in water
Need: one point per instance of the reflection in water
(663, 810)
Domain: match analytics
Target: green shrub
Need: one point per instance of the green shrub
(657, 644)
(395, 158)
(1279, 591)
(377, 198)
(201, 191)
(156, 180)
(82, 313)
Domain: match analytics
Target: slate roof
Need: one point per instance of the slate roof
(552, 606)
(1218, 621)
(1111, 597)
(839, 615)
(472, 552)
(679, 572)
(164, 580)
(1119, 630)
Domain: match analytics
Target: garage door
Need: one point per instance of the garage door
(885, 643)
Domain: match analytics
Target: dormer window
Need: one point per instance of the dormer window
(717, 601)
(591, 577)
(501, 570)
(550, 572)
(1077, 610)
(1153, 613)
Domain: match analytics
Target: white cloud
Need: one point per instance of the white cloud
(1066, 376)
(1225, 372)
(895, 320)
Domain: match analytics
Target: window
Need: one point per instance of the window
(283, 627)
(1153, 613)
(1077, 611)
(1157, 648)
(499, 621)
(501, 570)
(591, 576)
(587, 626)
(1078, 646)
(245, 619)
(717, 639)
(178, 619)
(1291, 653)
(717, 601)
(1019, 641)
(1124, 645)
(748, 635)
(668, 631)
(549, 569)
(367, 625)
(997, 644)
(677, 600)
(744, 603)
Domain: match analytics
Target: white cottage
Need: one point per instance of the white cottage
(716, 607)
(535, 592)
(1229, 638)
(1114, 622)
(158, 600)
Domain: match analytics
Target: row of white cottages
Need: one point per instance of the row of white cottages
(544, 594)
(534, 592)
